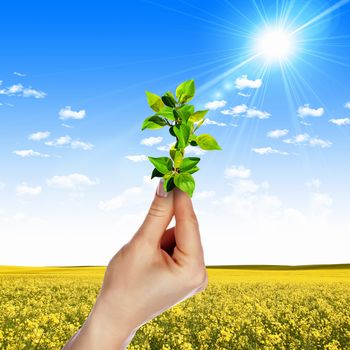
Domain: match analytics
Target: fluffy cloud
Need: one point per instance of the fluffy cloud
(151, 141)
(243, 94)
(268, 150)
(66, 140)
(72, 181)
(340, 121)
(215, 104)
(30, 153)
(347, 105)
(208, 121)
(314, 184)
(306, 139)
(255, 113)
(243, 82)
(243, 110)
(67, 113)
(137, 158)
(20, 90)
(236, 110)
(25, 190)
(30, 92)
(40, 135)
(121, 200)
(275, 134)
(237, 171)
(19, 74)
(307, 111)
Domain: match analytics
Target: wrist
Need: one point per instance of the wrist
(107, 327)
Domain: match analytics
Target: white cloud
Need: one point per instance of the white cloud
(204, 195)
(30, 92)
(40, 135)
(306, 139)
(315, 141)
(151, 141)
(243, 110)
(243, 82)
(67, 141)
(121, 200)
(71, 181)
(236, 110)
(305, 123)
(340, 121)
(347, 105)
(215, 104)
(20, 90)
(237, 171)
(25, 190)
(275, 134)
(307, 111)
(19, 74)
(255, 113)
(67, 113)
(137, 158)
(194, 150)
(242, 94)
(81, 145)
(268, 150)
(30, 153)
(300, 138)
(67, 126)
(208, 121)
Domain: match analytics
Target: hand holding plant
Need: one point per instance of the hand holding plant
(183, 121)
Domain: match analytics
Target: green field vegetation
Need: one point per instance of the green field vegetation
(243, 307)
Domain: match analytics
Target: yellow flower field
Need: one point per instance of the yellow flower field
(242, 308)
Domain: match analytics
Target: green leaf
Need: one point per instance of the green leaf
(185, 112)
(168, 182)
(197, 116)
(188, 163)
(156, 173)
(178, 156)
(154, 122)
(182, 133)
(162, 164)
(185, 91)
(207, 142)
(169, 99)
(167, 112)
(198, 125)
(176, 115)
(171, 131)
(154, 101)
(185, 182)
(193, 170)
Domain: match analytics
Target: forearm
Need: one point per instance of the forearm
(100, 333)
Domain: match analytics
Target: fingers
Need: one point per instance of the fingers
(158, 216)
(167, 242)
(187, 234)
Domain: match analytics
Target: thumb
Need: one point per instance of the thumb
(159, 215)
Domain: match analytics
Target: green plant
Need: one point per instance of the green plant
(183, 121)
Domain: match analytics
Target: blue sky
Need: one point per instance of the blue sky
(73, 183)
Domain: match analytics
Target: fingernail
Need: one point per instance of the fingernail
(160, 189)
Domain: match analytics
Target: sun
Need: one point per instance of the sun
(275, 44)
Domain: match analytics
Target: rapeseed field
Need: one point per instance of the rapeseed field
(242, 308)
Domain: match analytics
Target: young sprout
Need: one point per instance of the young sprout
(183, 121)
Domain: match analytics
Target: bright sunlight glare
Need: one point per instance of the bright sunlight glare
(275, 44)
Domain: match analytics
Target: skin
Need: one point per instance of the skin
(158, 268)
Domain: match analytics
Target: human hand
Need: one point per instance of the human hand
(155, 270)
